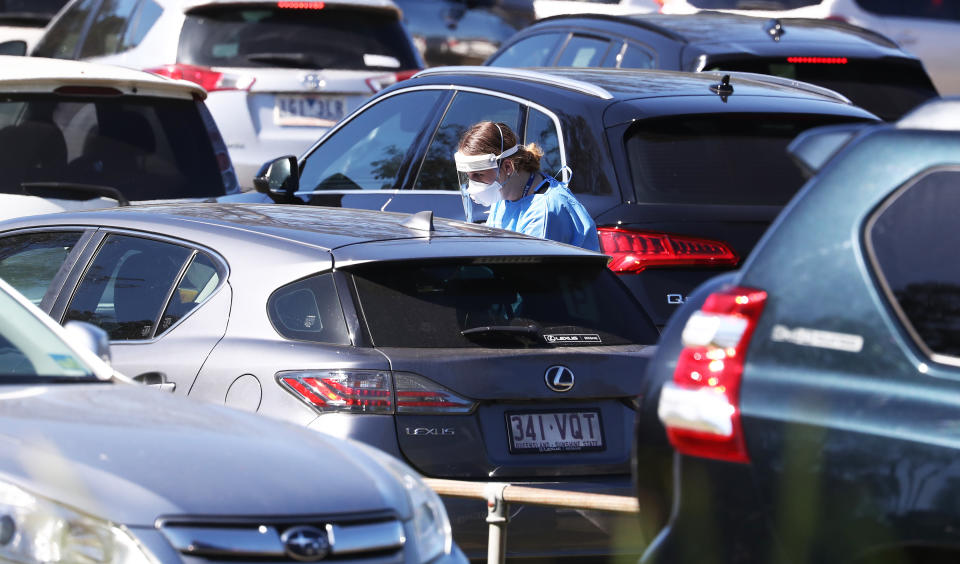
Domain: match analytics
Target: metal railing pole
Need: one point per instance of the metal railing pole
(498, 515)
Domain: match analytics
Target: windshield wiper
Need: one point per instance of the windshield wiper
(73, 191)
(296, 60)
(523, 333)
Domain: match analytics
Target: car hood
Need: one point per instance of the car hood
(131, 454)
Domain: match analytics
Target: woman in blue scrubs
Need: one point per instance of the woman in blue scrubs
(504, 176)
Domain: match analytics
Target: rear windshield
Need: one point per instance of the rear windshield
(334, 37)
(752, 4)
(494, 304)
(887, 88)
(146, 148)
(730, 159)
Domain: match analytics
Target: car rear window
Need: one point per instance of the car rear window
(147, 148)
(496, 302)
(336, 37)
(729, 159)
(888, 88)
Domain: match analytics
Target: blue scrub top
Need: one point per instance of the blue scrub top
(554, 214)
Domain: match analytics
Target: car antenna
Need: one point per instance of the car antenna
(421, 221)
(774, 29)
(724, 88)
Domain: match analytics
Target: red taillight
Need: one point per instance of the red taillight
(301, 5)
(634, 251)
(378, 83)
(818, 60)
(371, 391)
(209, 79)
(700, 408)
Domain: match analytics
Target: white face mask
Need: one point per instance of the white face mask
(484, 194)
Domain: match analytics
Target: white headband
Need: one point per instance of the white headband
(473, 163)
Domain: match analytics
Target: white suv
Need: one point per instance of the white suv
(279, 73)
(929, 29)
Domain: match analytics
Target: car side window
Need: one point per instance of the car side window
(29, 262)
(368, 151)
(583, 51)
(912, 238)
(632, 56)
(309, 310)
(467, 108)
(142, 21)
(533, 51)
(127, 285)
(197, 284)
(108, 26)
(61, 40)
(542, 131)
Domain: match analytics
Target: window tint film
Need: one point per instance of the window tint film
(197, 284)
(107, 28)
(309, 310)
(29, 262)
(741, 159)
(914, 249)
(147, 14)
(367, 152)
(438, 171)
(337, 37)
(126, 286)
(147, 148)
(887, 88)
(583, 51)
(933, 9)
(63, 37)
(498, 304)
(533, 51)
(542, 131)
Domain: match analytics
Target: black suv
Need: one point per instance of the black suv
(681, 171)
(865, 66)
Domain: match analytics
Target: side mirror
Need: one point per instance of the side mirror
(279, 179)
(16, 47)
(91, 337)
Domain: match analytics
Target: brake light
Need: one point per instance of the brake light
(700, 407)
(378, 83)
(635, 251)
(818, 60)
(371, 391)
(209, 79)
(301, 5)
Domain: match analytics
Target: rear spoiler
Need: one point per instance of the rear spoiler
(814, 148)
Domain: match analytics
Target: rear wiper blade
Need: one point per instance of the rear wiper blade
(286, 59)
(73, 191)
(521, 331)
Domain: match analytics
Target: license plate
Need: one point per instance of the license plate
(555, 431)
(317, 111)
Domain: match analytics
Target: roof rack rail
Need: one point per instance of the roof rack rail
(532, 76)
(779, 80)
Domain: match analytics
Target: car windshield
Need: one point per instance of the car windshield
(888, 88)
(729, 159)
(73, 147)
(29, 350)
(505, 302)
(338, 37)
(31, 11)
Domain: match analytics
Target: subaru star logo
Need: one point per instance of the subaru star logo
(314, 82)
(306, 544)
(559, 378)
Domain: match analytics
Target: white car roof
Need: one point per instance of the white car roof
(39, 74)
(374, 4)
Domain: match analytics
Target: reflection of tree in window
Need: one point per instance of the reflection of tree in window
(438, 171)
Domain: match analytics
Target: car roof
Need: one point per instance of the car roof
(40, 74)
(187, 5)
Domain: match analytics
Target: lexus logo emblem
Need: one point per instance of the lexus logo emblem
(314, 82)
(305, 544)
(559, 378)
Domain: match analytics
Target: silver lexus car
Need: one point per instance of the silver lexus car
(471, 352)
(95, 469)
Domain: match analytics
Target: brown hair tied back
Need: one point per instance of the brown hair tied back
(484, 137)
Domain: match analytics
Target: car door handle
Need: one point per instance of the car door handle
(156, 380)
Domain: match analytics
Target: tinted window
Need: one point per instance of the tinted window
(583, 51)
(147, 14)
(337, 37)
(34, 13)
(542, 131)
(730, 159)
(127, 285)
(888, 88)
(914, 247)
(634, 57)
(438, 171)
(107, 28)
(197, 284)
(29, 262)
(147, 148)
(533, 51)
(429, 305)
(753, 4)
(366, 153)
(61, 40)
(935, 9)
(309, 310)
